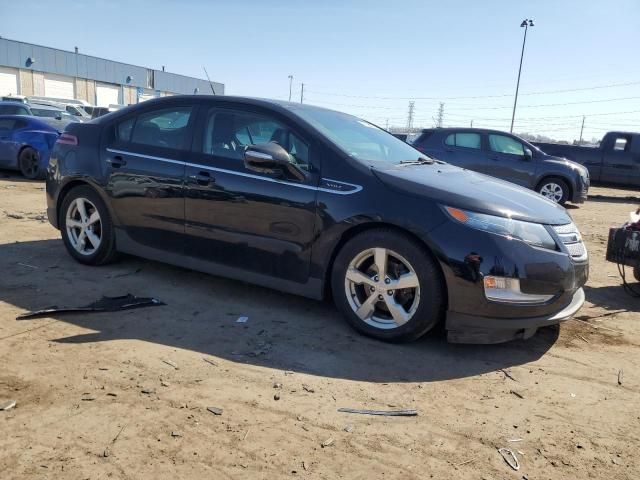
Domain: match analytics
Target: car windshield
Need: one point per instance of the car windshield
(13, 110)
(360, 139)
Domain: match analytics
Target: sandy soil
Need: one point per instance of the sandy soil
(80, 381)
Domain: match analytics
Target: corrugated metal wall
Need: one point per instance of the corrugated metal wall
(29, 57)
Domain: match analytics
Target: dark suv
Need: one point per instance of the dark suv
(508, 157)
(316, 202)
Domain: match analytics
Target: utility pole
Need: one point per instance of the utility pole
(581, 130)
(290, 83)
(440, 115)
(410, 116)
(526, 23)
(471, 124)
(387, 125)
(302, 93)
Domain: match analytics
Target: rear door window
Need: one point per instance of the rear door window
(464, 140)
(620, 144)
(506, 145)
(13, 110)
(166, 128)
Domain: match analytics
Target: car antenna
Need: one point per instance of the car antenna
(210, 82)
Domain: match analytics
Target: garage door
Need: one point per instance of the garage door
(146, 94)
(107, 95)
(58, 86)
(8, 81)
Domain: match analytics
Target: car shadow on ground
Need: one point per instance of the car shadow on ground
(283, 331)
(15, 176)
(613, 199)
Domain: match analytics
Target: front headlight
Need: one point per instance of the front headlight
(531, 233)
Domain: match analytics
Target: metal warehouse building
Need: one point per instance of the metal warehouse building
(32, 70)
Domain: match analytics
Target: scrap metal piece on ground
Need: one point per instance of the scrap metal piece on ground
(388, 413)
(215, 410)
(8, 405)
(510, 458)
(105, 304)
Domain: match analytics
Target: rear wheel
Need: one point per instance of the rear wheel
(29, 161)
(555, 189)
(86, 227)
(387, 286)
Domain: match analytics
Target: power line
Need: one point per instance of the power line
(545, 92)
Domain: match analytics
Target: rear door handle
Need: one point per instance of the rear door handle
(202, 178)
(117, 161)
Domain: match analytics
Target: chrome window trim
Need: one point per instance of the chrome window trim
(356, 188)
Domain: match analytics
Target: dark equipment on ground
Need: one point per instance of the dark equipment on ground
(623, 249)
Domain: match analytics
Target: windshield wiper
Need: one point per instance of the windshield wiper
(419, 161)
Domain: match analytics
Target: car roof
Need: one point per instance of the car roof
(12, 102)
(41, 106)
(282, 105)
(466, 129)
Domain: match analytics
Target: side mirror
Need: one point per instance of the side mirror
(528, 155)
(58, 117)
(272, 159)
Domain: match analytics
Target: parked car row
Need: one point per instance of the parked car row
(76, 108)
(320, 203)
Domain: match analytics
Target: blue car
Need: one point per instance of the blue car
(25, 144)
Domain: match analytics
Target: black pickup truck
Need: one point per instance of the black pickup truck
(616, 160)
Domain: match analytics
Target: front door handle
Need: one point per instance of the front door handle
(202, 178)
(494, 157)
(117, 161)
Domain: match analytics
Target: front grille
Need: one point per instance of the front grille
(572, 240)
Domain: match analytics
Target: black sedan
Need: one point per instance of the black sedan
(317, 203)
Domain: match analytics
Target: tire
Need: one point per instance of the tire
(636, 272)
(28, 162)
(555, 189)
(97, 245)
(418, 308)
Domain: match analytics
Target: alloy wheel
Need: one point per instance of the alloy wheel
(552, 191)
(382, 288)
(84, 226)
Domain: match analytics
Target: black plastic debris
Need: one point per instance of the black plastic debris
(105, 304)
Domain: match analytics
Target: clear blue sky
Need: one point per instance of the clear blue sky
(351, 53)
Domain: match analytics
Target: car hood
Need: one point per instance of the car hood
(461, 188)
(566, 162)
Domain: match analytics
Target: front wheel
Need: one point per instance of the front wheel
(387, 286)
(555, 189)
(86, 228)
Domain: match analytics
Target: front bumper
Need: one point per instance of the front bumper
(464, 328)
(581, 192)
(468, 256)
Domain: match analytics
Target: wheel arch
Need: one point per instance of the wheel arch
(79, 182)
(376, 225)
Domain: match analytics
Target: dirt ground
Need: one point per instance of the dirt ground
(125, 395)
